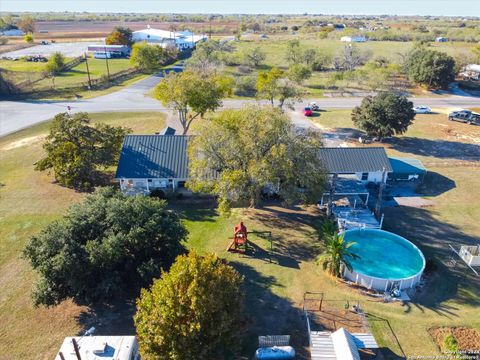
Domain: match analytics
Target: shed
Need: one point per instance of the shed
(406, 169)
(99, 347)
(366, 163)
(149, 162)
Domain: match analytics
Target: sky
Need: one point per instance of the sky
(340, 7)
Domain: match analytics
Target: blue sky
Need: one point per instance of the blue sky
(398, 7)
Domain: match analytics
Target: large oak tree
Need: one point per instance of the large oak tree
(384, 115)
(253, 150)
(104, 247)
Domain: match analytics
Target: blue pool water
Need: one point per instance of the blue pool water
(384, 255)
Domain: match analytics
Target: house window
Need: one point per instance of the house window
(364, 176)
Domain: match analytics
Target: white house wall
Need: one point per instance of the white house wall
(375, 177)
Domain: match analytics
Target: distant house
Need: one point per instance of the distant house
(153, 162)
(353, 39)
(441, 39)
(99, 347)
(13, 32)
(182, 40)
(366, 164)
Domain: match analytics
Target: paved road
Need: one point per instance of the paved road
(16, 115)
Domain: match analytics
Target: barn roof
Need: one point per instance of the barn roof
(355, 160)
(153, 157)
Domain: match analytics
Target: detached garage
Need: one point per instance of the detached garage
(406, 169)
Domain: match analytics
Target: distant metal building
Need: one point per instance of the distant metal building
(111, 50)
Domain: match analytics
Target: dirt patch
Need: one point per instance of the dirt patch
(468, 339)
(414, 201)
(23, 142)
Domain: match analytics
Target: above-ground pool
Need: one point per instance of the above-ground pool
(386, 260)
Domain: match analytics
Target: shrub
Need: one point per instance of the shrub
(193, 312)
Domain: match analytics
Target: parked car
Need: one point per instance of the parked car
(307, 111)
(45, 42)
(313, 105)
(466, 116)
(422, 109)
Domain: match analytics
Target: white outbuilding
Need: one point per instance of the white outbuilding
(180, 39)
(353, 39)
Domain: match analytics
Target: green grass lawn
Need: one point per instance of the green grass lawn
(275, 282)
(22, 65)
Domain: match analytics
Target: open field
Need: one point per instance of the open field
(321, 82)
(275, 281)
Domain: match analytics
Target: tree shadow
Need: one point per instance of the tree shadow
(115, 318)
(435, 184)
(195, 208)
(442, 149)
(269, 314)
(443, 281)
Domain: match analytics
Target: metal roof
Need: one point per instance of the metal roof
(355, 160)
(407, 166)
(153, 157)
(168, 131)
(99, 347)
(344, 345)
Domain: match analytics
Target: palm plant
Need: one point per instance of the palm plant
(327, 230)
(336, 253)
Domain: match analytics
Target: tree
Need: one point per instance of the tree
(149, 58)
(384, 115)
(432, 68)
(77, 151)
(350, 58)
(192, 95)
(336, 254)
(28, 38)
(272, 85)
(120, 36)
(255, 56)
(55, 64)
(299, 73)
(193, 312)
(253, 150)
(106, 246)
(294, 52)
(27, 24)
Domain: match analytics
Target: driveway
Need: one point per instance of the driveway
(16, 115)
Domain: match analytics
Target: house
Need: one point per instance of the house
(153, 162)
(406, 169)
(470, 72)
(353, 39)
(99, 347)
(441, 39)
(110, 50)
(13, 32)
(182, 40)
(366, 164)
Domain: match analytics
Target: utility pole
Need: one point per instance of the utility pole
(378, 205)
(88, 72)
(333, 183)
(106, 61)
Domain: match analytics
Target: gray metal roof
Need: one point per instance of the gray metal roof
(355, 160)
(153, 157)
